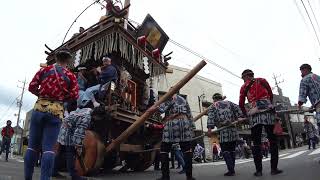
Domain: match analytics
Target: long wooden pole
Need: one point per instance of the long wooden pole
(240, 120)
(200, 115)
(296, 110)
(205, 112)
(140, 121)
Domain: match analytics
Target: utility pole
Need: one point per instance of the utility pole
(19, 103)
(286, 116)
(277, 84)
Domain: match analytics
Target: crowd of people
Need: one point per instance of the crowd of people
(66, 105)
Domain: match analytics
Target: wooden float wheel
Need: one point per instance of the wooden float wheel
(140, 161)
(92, 156)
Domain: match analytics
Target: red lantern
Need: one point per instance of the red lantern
(109, 7)
(156, 54)
(142, 41)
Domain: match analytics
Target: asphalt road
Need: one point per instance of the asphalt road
(298, 164)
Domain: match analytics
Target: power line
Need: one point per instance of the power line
(195, 53)
(314, 29)
(3, 108)
(6, 112)
(75, 20)
(314, 16)
(300, 12)
(203, 57)
(210, 74)
(230, 51)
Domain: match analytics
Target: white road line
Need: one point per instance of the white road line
(294, 155)
(210, 164)
(239, 161)
(281, 155)
(18, 160)
(317, 151)
(244, 161)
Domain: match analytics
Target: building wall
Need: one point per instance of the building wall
(27, 123)
(194, 88)
(197, 86)
(16, 139)
(297, 121)
(300, 118)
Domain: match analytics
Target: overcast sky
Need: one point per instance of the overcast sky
(267, 36)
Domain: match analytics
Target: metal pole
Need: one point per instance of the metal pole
(140, 120)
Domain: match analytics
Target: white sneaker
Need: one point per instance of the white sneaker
(96, 104)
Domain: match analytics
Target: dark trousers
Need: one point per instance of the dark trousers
(70, 154)
(215, 157)
(228, 152)
(266, 152)
(256, 149)
(312, 142)
(172, 154)
(186, 148)
(5, 146)
(44, 130)
(180, 159)
(157, 161)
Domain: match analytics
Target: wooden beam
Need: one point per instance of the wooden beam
(140, 121)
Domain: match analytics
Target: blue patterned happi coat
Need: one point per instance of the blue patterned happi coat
(310, 87)
(220, 112)
(177, 130)
(72, 131)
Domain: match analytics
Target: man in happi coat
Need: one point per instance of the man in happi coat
(221, 113)
(54, 85)
(261, 113)
(71, 136)
(310, 131)
(310, 87)
(178, 128)
(107, 74)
